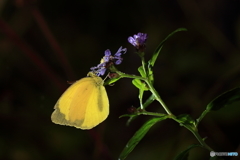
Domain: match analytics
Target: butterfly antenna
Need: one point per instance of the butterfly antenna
(106, 76)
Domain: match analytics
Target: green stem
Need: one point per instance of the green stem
(201, 117)
(124, 75)
(158, 98)
(140, 98)
(194, 131)
(200, 140)
(154, 92)
(152, 114)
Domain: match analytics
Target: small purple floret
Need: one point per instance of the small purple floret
(109, 60)
(138, 40)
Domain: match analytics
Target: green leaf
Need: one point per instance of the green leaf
(138, 136)
(152, 61)
(184, 154)
(221, 101)
(128, 115)
(224, 99)
(141, 71)
(139, 84)
(111, 81)
(158, 49)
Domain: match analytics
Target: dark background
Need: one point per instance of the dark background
(44, 44)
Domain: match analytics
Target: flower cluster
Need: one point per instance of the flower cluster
(108, 60)
(138, 41)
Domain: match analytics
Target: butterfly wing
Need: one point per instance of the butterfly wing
(83, 105)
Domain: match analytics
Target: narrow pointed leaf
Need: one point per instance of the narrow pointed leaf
(111, 81)
(224, 99)
(141, 71)
(138, 136)
(221, 101)
(158, 49)
(139, 84)
(155, 56)
(127, 115)
(184, 154)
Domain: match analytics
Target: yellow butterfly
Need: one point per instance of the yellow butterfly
(83, 105)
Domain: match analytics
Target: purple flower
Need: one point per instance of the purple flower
(109, 60)
(100, 69)
(138, 40)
